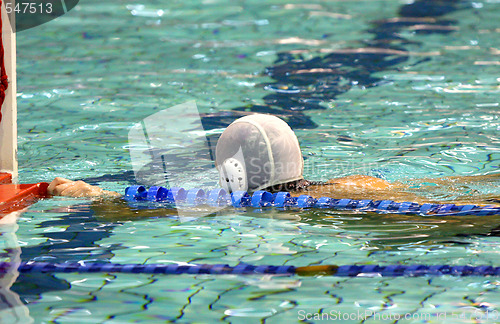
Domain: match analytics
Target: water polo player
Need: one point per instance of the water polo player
(261, 152)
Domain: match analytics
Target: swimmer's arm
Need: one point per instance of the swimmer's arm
(359, 187)
(109, 204)
(65, 187)
(366, 187)
(69, 188)
(361, 182)
(475, 179)
(372, 183)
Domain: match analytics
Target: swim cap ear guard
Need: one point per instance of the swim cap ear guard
(233, 176)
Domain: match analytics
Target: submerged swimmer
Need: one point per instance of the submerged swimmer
(261, 152)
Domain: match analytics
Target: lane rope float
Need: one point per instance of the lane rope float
(160, 197)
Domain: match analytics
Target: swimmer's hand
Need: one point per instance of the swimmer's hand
(65, 187)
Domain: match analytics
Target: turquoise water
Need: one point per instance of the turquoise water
(426, 107)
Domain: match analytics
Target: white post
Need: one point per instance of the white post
(8, 125)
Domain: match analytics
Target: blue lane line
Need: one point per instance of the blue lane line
(415, 270)
(156, 196)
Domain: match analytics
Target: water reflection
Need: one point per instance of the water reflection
(283, 233)
(398, 231)
(311, 84)
(12, 309)
(77, 241)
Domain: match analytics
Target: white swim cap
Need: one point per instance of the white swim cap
(258, 151)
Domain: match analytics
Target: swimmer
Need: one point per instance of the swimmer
(261, 152)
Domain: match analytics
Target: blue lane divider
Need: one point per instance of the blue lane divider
(260, 199)
(135, 193)
(247, 269)
(217, 198)
(240, 199)
(195, 196)
(157, 194)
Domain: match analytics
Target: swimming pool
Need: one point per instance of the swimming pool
(423, 106)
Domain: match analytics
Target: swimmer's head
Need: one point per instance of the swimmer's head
(256, 152)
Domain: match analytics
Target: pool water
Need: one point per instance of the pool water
(394, 89)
